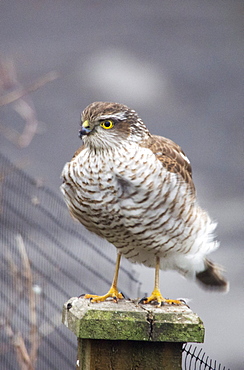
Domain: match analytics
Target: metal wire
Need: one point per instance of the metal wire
(65, 261)
(193, 358)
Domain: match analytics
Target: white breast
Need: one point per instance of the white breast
(126, 196)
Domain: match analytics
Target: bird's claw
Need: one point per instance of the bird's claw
(157, 299)
(143, 300)
(113, 293)
(81, 295)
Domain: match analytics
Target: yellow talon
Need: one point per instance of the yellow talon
(156, 295)
(113, 291)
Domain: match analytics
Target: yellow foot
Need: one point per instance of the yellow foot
(112, 293)
(156, 297)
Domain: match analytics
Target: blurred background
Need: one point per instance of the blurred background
(179, 64)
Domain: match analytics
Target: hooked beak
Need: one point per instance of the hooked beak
(85, 129)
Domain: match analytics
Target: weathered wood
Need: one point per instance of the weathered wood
(125, 355)
(126, 335)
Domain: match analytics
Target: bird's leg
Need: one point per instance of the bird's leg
(113, 291)
(156, 295)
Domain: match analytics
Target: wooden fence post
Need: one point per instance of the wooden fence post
(128, 336)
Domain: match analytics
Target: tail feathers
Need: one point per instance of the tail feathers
(211, 277)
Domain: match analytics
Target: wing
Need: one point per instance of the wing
(171, 156)
(78, 151)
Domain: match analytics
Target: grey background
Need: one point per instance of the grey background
(180, 65)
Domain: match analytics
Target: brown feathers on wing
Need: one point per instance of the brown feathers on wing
(78, 151)
(172, 157)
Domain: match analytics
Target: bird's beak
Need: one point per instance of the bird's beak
(85, 129)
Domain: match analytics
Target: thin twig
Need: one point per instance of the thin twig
(23, 357)
(34, 338)
(20, 92)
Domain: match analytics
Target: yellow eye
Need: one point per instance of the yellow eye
(107, 124)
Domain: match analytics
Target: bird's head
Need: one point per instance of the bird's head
(107, 124)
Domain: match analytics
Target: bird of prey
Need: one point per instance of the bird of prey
(136, 190)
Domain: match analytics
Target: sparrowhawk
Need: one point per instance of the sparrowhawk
(136, 190)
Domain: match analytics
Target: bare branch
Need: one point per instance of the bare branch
(34, 337)
(24, 359)
(27, 111)
(22, 91)
(22, 102)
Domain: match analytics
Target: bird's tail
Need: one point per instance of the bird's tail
(212, 278)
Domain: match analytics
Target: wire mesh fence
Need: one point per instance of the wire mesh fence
(46, 258)
(194, 358)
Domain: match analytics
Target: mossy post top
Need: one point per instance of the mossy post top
(127, 320)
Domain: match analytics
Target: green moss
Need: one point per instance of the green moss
(128, 321)
(114, 325)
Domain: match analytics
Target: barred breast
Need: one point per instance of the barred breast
(126, 196)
